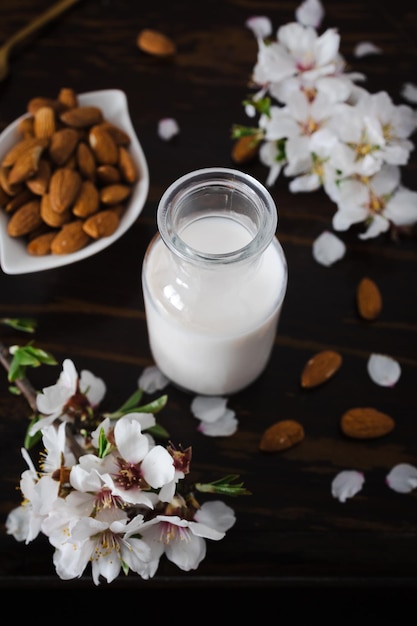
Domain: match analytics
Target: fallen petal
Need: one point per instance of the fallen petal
(409, 92)
(152, 379)
(168, 128)
(347, 484)
(260, 26)
(225, 426)
(327, 249)
(383, 370)
(209, 409)
(402, 478)
(366, 47)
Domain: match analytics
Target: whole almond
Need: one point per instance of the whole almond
(369, 299)
(101, 224)
(38, 102)
(25, 219)
(70, 238)
(26, 165)
(21, 147)
(86, 161)
(114, 194)
(366, 423)
(88, 200)
(82, 116)
(44, 123)
(322, 366)
(64, 187)
(281, 436)
(155, 43)
(108, 175)
(39, 182)
(18, 200)
(245, 149)
(68, 97)
(104, 147)
(51, 217)
(41, 245)
(127, 166)
(11, 190)
(63, 143)
(118, 134)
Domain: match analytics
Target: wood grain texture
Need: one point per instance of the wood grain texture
(290, 533)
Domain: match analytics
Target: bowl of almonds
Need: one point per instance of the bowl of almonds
(73, 179)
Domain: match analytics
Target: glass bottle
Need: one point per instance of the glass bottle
(214, 279)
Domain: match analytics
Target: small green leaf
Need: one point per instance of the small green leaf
(25, 324)
(27, 356)
(31, 440)
(224, 486)
(157, 431)
(104, 446)
(131, 402)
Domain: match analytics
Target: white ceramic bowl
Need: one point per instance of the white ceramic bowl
(14, 258)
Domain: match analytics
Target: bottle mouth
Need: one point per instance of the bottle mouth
(227, 196)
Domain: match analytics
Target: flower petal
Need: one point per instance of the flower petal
(366, 47)
(402, 478)
(346, 484)
(383, 370)
(310, 13)
(260, 26)
(152, 379)
(167, 128)
(327, 249)
(208, 408)
(225, 426)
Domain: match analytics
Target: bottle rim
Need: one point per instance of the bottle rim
(265, 217)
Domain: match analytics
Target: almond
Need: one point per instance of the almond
(127, 166)
(320, 368)
(155, 43)
(281, 436)
(25, 219)
(102, 224)
(117, 134)
(108, 175)
(36, 103)
(24, 196)
(19, 148)
(68, 98)
(245, 149)
(41, 245)
(366, 423)
(39, 182)
(88, 200)
(70, 238)
(114, 194)
(103, 146)
(82, 117)
(63, 144)
(86, 161)
(369, 299)
(51, 217)
(26, 165)
(11, 190)
(44, 123)
(64, 188)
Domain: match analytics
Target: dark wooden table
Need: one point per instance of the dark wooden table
(290, 533)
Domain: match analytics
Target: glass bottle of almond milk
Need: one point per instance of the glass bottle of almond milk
(214, 280)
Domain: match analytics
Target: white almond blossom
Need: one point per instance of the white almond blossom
(347, 484)
(320, 128)
(106, 494)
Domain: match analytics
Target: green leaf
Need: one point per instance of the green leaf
(25, 324)
(224, 486)
(27, 356)
(31, 440)
(104, 445)
(131, 402)
(157, 431)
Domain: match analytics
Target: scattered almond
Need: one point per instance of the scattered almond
(369, 299)
(366, 423)
(155, 43)
(245, 149)
(281, 436)
(320, 368)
